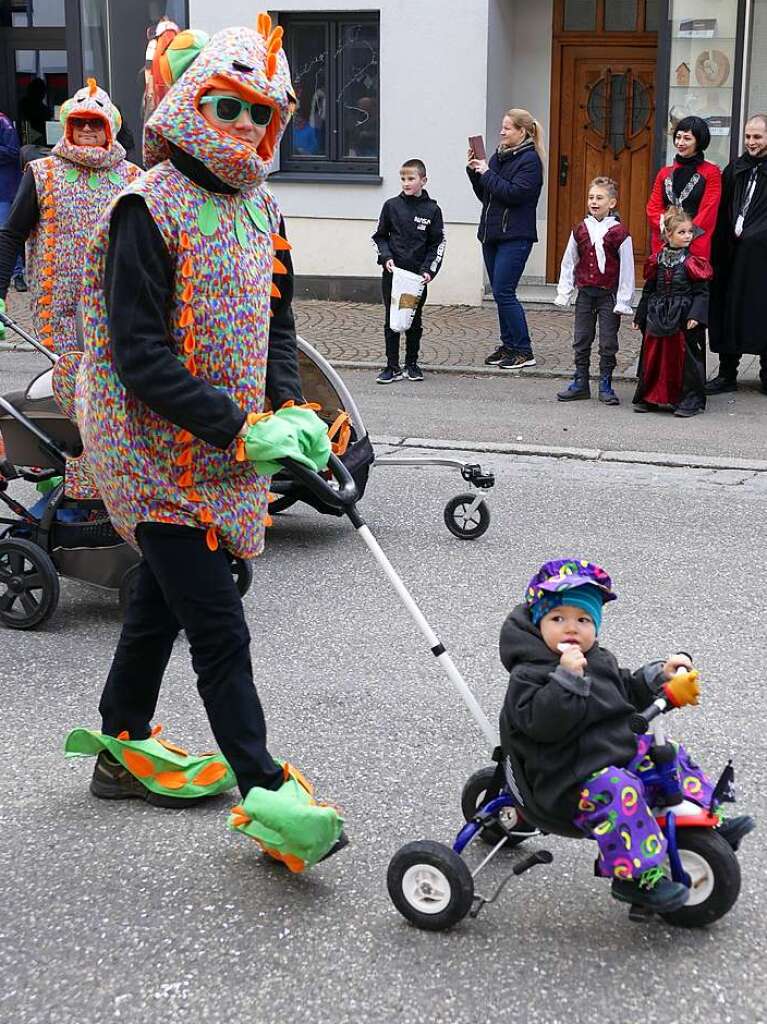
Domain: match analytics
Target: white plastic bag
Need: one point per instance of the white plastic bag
(406, 291)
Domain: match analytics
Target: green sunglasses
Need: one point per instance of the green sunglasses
(229, 108)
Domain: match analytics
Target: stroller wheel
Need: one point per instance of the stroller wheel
(242, 570)
(29, 584)
(466, 518)
(430, 885)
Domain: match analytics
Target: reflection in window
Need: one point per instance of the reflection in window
(41, 88)
(93, 24)
(621, 15)
(580, 15)
(652, 16)
(612, 116)
(34, 13)
(334, 61)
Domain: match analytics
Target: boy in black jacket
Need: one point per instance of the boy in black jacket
(410, 235)
(565, 726)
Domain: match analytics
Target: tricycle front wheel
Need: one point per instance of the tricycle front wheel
(715, 875)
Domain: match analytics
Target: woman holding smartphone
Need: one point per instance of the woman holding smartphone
(508, 186)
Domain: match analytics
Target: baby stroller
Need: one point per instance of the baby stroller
(467, 515)
(58, 535)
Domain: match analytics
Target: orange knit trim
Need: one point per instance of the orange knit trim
(187, 268)
(275, 292)
(184, 458)
(206, 516)
(187, 317)
(280, 244)
(186, 479)
(188, 292)
(278, 267)
(189, 342)
(211, 538)
(193, 495)
(184, 241)
(183, 437)
(191, 365)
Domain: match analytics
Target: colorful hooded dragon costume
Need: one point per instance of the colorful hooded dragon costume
(74, 185)
(220, 233)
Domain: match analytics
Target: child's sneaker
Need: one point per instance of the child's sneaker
(413, 372)
(517, 361)
(577, 389)
(495, 357)
(388, 375)
(652, 890)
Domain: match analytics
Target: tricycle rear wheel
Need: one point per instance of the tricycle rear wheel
(472, 799)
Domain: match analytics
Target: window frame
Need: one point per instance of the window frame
(333, 165)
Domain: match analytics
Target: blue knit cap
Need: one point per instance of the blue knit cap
(587, 596)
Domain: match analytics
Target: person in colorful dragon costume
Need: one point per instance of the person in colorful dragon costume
(59, 200)
(188, 329)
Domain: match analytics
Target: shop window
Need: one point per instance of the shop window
(652, 15)
(580, 15)
(32, 13)
(757, 74)
(334, 63)
(621, 15)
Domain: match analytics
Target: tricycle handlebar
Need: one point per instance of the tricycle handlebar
(640, 720)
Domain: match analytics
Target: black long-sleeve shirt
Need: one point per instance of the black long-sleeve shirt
(23, 217)
(139, 288)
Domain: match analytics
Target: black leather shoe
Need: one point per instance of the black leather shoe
(718, 385)
(663, 897)
(736, 829)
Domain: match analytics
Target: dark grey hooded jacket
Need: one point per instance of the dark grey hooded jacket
(557, 727)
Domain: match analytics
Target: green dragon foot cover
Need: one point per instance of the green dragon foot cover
(160, 766)
(288, 823)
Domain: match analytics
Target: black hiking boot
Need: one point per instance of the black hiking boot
(578, 388)
(652, 890)
(111, 781)
(733, 830)
(606, 394)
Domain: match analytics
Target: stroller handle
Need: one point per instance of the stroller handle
(7, 321)
(343, 497)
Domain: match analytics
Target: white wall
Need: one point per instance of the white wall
(519, 75)
(433, 95)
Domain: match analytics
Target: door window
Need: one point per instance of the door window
(41, 88)
(32, 13)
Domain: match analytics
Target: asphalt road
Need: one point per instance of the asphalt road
(126, 913)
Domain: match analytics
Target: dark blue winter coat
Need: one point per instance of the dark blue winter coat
(509, 193)
(10, 168)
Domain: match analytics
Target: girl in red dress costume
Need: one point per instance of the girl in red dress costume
(692, 183)
(672, 314)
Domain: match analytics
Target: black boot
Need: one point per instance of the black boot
(577, 389)
(718, 385)
(652, 890)
(606, 393)
(111, 781)
(733, 830)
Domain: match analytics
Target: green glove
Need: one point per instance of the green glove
(46, 486)
(271, 439)
(293, 433)
(2, 325)
(312, 433)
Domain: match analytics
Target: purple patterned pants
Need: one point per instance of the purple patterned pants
(613, 809)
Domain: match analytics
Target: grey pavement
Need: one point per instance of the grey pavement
(123, 913)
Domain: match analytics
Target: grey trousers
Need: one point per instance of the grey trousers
(592, 305)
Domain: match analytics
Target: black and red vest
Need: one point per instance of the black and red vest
(587, 272)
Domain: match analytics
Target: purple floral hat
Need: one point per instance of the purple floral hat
(564, 573)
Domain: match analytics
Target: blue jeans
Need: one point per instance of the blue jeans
(5, 209)
(505, 262)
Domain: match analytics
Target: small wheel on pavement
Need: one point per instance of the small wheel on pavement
(472, 798)
(714, 871)
(29, 584)
(126, 587)
(430, 885)
(242, 571)
(465, 522)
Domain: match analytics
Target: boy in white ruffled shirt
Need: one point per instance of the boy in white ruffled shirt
(599, 262)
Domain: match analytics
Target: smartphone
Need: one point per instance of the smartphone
(477, 146)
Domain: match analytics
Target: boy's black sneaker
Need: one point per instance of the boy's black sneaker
(517, 361)
(733, 830)
(388, 375)
(413, 372)
(653, 891)
(111, 781)
(495, 357)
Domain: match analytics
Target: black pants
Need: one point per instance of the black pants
(412, 336)
(183, 585)
(729, 363)
(594, 305)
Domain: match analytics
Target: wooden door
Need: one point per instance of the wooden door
(605, 128)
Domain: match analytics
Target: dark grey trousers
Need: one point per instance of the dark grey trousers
(591, 306)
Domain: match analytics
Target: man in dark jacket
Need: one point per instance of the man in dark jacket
(410, 236)
(10, 176)
(739, 258)
(565, 726)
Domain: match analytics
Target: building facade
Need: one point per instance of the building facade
(381, 81)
